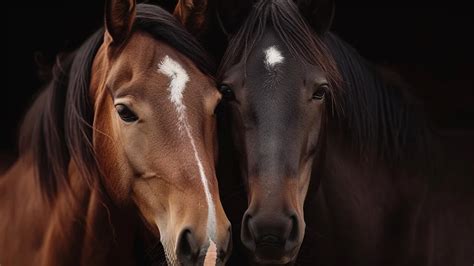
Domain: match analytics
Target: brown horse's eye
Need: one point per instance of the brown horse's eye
(227, 92)
(320, 92)
(125, 113)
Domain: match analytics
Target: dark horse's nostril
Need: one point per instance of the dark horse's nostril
(246, 227)
(187, 248)
(246, 232)
(294, 233)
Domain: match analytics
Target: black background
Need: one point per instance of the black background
(431, 46)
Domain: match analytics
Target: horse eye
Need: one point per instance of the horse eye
(320, 92)
(227, 92)
(125, 113)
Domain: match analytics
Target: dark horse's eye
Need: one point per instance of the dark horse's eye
(227, 92)
(125, 113)
(320, 92)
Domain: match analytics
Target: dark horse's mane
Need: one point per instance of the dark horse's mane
(58, 127)
(377, 116)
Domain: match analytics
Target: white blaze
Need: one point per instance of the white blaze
(211, 255)
(178, 79)
(273, 57)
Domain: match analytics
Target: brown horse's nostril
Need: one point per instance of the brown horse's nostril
(226, 248)
(187, 249)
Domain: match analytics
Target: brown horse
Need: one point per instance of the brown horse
(121, 139)
(333, 161)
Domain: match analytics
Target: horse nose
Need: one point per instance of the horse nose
(190, 252)
(271, 237)
(187, 249)
(226, 247)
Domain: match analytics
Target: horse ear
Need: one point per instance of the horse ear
(192, 14)
(119, 18)
(319, 13)
(231, 13)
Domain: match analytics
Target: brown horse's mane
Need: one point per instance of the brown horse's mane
(377, 115)
(58, 127)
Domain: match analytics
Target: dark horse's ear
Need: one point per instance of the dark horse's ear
(119, 18)
(192, 14)
(231, 14)
(319, 13)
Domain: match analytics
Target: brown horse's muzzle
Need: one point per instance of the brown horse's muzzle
(190, 251)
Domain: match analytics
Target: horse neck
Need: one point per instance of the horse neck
(84, 224)
(359, 199)
(372, 177)
(376, 152)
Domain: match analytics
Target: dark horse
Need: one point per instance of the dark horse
(335, 157)
(118, 153)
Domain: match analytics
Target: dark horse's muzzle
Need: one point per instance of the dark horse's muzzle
(273, 234)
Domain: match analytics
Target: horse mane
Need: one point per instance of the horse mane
(58, 126)
(379, 118)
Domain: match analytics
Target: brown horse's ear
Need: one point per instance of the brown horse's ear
(119, 18)
(319, 13)
(192, 14)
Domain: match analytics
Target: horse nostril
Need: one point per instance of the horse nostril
(294, 233)
(228, 245)
(187, 249)
(246, 234)
(226, 248)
